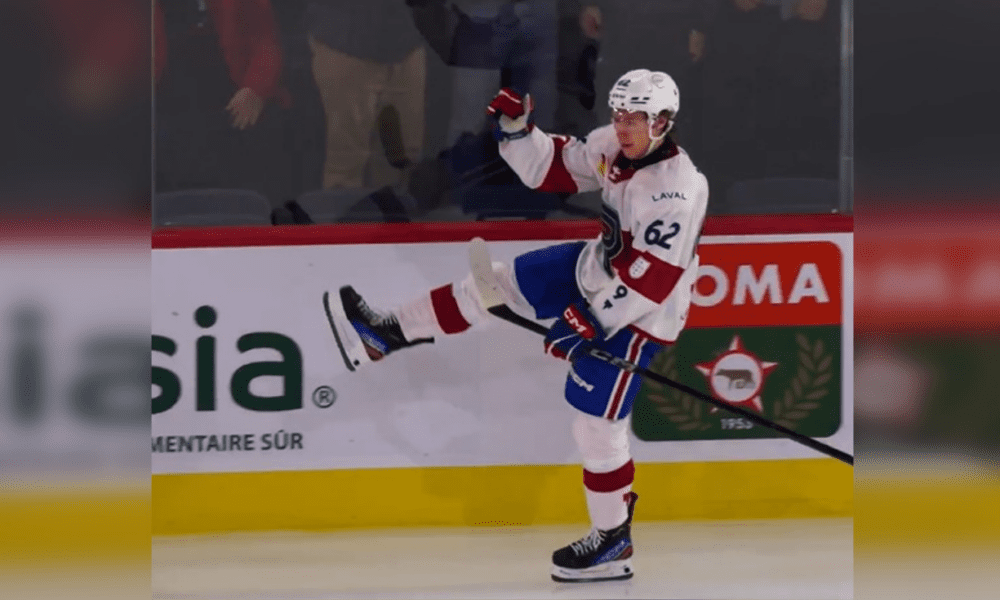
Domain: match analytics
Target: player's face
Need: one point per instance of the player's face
(633, 132)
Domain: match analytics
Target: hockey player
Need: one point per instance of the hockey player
(627, 291)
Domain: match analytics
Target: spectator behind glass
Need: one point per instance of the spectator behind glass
(800, 94)
(305, 135)
(501, 43)
(540, 46)
(771, 96)
(76, 123)
(488, 44)
(661, 35)
(579, 48)
(219, 97)
(367, 56)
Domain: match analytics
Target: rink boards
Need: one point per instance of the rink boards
(257, 424)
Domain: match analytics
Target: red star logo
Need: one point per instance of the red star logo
(737, 376)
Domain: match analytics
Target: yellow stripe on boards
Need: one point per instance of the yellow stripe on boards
(490, 496)
(42, 526)
(936, 510)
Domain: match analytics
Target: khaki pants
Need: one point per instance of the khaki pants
(354, 91)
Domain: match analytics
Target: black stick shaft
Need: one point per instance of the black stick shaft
(504, 312)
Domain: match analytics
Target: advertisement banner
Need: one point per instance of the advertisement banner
(247, 377)
(74, 327)
(764, 334)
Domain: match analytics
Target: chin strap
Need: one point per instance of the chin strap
(656, 141)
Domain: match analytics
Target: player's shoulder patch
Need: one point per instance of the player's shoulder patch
(638, 268)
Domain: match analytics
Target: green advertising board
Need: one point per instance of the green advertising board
(764, 334)
(790, 375)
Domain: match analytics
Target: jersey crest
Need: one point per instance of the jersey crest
(611, 236)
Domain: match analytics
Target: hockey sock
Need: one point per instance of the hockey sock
(434, 314)
(455, 307)
(607, 495)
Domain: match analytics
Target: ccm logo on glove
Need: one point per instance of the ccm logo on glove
(579, 323)
(575, 325)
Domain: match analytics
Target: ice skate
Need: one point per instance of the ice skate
(601, 556)
(362, 334)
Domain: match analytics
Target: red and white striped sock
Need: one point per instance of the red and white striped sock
(431, 315)
(607, 495)
(455, 307)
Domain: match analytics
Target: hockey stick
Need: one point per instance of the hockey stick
(489, 293)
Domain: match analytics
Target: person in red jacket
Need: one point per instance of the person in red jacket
(248, 38)
(217, 65)
(76, 102)
(104, 46)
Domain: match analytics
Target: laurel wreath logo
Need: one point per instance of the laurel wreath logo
(683, 411)
(808, 385)
(806, 389)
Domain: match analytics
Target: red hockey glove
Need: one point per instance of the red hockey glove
(513, 115)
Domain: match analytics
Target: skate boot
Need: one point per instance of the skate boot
(601, 556)
(362, 334)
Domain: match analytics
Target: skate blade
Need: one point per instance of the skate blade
(351, 348)
(613, 571)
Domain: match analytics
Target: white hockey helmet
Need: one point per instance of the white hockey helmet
(647, 91)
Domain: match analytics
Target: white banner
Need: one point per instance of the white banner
(247, 376)
(74, 327)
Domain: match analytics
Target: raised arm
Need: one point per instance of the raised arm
(549, 163)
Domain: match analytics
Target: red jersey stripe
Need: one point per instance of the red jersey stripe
(558, 179)
(655, 281)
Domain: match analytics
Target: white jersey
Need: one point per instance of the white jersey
(639, 273)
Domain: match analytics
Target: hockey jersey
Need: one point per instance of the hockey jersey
(640, 272)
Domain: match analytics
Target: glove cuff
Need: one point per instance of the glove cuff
(513, 129)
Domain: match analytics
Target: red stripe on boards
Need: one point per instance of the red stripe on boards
(446, 310)
(610, 482)
(409, 233)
